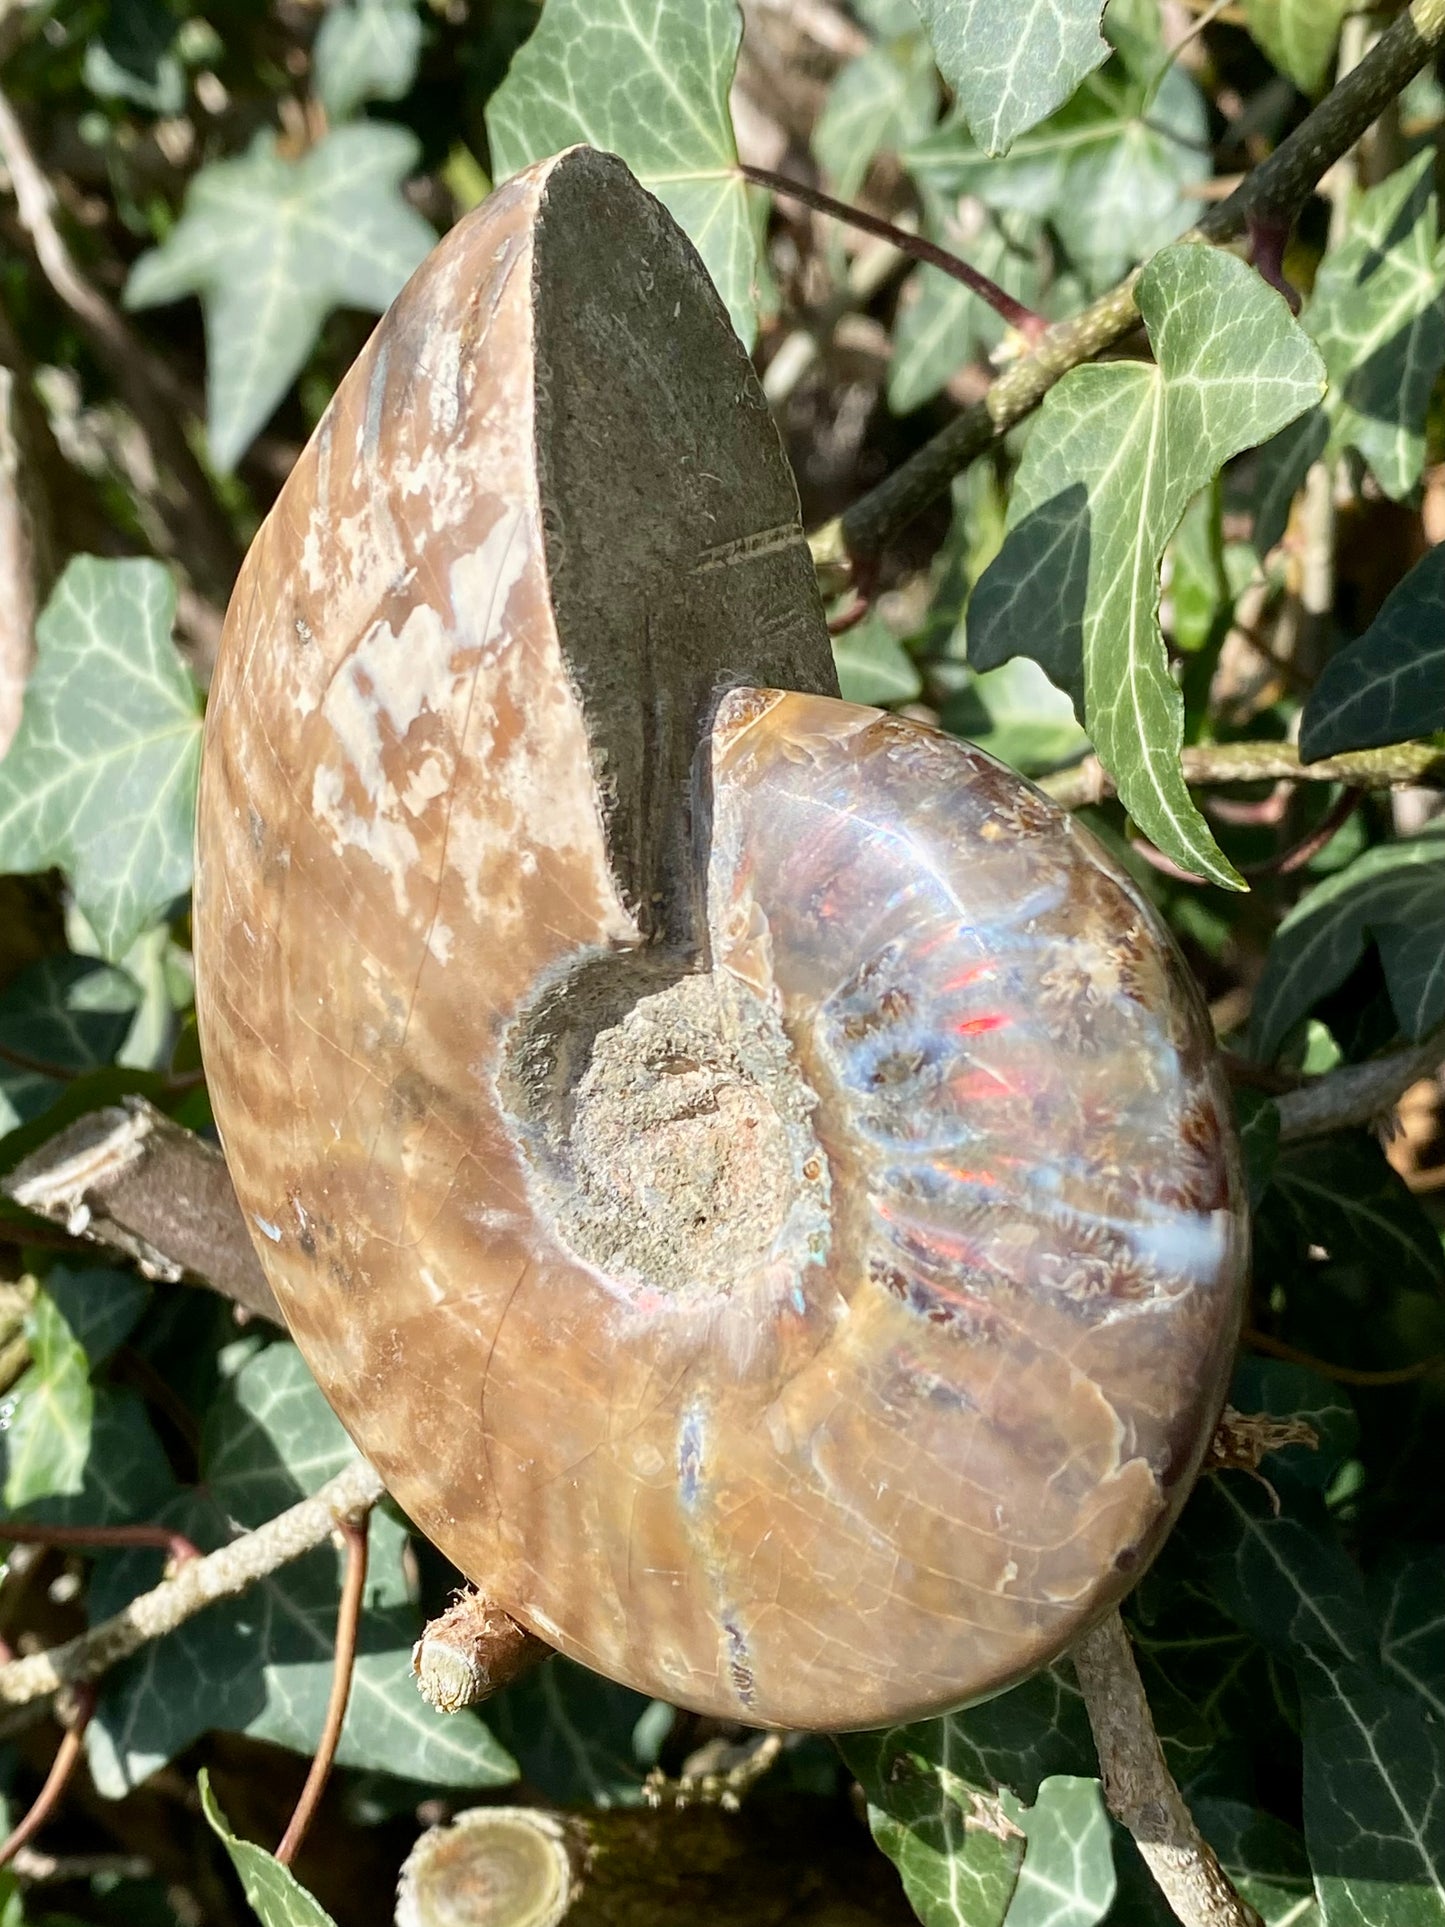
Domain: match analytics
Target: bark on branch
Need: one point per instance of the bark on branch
(203, 536)
(197, 1584)
(1419, 765)
(128, 1177)
(1357, 1093)
(1140, 1789)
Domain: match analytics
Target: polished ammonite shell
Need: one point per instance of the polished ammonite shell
(749, 1170)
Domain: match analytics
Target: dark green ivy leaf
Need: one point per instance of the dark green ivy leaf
(1394, 895)
(1389, 684)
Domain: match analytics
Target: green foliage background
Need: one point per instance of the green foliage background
(1136, 572)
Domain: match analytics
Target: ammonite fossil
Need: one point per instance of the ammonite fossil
(749, 1170)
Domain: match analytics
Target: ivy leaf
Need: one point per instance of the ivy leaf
(272, 246)
(647, 80)
(1298, 35)
(100, 1306)
(1410, 1593)
(1265, 1858)
(72, 1453)
(48, 1413)
(261, 1664)
(1374, 1800)
(101, 777)
(881, 99)
(1374, 1766)
(1346, 1198)
(1109, 469)
(1111, 185)
(942, 324)
(1377, 315)
(1010, 63)
(1393, 895)
(946, 1797)
(873, 666)
(1067, 1879)
(133, 57)
(1389, 684)
(576, 1736)
(69, 1012)
(363, 52)
(276, 1896)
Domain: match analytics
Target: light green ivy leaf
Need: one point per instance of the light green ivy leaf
(1389, 684)
(941, 323)
(100, 780)
(1108, 181)
(947, 1800)
(1394, 895)
(873, 666)
(1010, 63)
(647, 80)
(1116, 455)
(1067, 1879)
(72, 1453)
(271, 246)
(880, 100)
(275, 1894)
(1298, 35)
(365, 51)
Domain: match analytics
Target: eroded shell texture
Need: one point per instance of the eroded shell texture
(757, 1185)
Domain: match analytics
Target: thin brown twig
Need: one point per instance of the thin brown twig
(204, 537)
(194, 1586)
(1344, 1374)
(21, 1060)
(67, 1758)
(1309, 846)
(348, 1618)
(1140, 1789)
(917, 246)
(175, 1545)
(1294, 858)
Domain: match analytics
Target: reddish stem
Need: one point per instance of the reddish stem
(1270, 809)
(1294, 858)
(67, 1758)
(1309, 846)
(348, 1616)
(37, 1066)
(1029, 324)
(1344, 1374)
(176, 1544)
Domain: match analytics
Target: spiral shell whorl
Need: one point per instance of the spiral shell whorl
(767, 1209)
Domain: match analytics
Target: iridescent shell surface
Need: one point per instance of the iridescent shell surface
(756, 1184)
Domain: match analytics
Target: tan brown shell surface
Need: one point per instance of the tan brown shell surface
(817, 1339)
